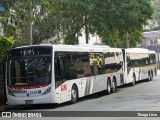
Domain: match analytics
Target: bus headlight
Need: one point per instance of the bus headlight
(48, 90)
(10, 92)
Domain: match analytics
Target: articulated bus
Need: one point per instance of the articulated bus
(139, 64)
(40, 74)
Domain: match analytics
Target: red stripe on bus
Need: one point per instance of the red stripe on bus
(27, 87)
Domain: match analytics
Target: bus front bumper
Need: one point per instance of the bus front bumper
(43, 99)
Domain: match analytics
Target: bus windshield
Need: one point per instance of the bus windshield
(30, 71)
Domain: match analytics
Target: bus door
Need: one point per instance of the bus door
(62, 91)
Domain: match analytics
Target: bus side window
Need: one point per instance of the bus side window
(59, 68)
(70, 71)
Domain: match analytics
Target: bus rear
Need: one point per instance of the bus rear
(28, 79)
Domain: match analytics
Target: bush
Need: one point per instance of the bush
(5, 45)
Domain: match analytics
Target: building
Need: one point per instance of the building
(151, 41)
(151, 38)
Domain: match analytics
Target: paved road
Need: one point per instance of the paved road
(144, 96)
(139, 97)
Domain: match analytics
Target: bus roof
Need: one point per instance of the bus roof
(138, 50)
(82, 48)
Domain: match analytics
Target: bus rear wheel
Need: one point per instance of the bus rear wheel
(149, 77)
(74, 94)
(108, 87)
(134, 80)
(114, 85)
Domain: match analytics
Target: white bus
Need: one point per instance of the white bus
(41, 74)
(139, 64)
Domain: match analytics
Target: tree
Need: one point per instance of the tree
(18, 17)
(125, 16)
(154, 24)
(67, 19)
(108, 19)
(5, 45)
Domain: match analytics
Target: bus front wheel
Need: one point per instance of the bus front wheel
(74, 94)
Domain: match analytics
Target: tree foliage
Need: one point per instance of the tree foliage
(5, 45)
(67, 19)
(154, 24)
(17, 16)
(123, 16)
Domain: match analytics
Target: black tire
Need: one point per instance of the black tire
(114, 85)
(149, 77)
(134, 80)
(74, 94)
(155, 71)
(108, 87)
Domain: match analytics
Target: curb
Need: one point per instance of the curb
(11, 107)
(6, 108)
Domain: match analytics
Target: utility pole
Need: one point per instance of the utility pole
(30, 24)
(30, 31)
(127, 40)
(86, 30)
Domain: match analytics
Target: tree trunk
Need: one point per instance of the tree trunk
(30, 31)
(127, 40)
(86, 30)
(30, 25)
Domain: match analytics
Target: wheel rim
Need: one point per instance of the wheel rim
(74, 94)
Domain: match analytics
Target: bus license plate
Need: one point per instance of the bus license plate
(28, 101)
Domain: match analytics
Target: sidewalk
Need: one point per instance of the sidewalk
(5, 107)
